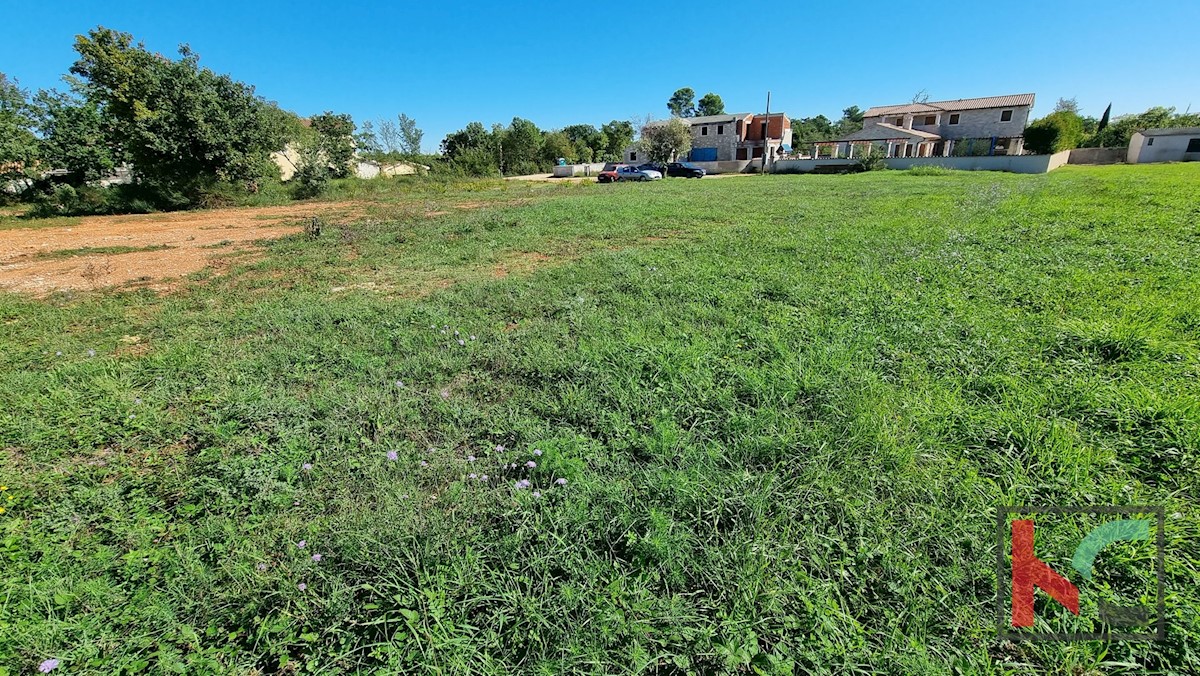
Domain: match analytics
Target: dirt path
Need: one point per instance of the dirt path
(146, 250)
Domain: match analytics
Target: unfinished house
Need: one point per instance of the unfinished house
(737, 137)
(993, 125)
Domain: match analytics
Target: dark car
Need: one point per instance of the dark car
(685, 170)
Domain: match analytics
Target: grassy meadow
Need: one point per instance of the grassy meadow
(765, 425)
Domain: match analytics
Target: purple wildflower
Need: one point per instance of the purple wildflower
(461, 341)
(531, 464)
(537, 451)
(399, 383)
(137, 400)
(316, 557)
(519, 485)
(404, 497)
(445, 394)
(295, 503)
(302, 544)
(483, 478)
(537, 494)
(261, 566)
(306, 466)
(424, 463)
(513, 466)
(91, 353)
(57, 354)
(48, 666)
(393, 456)
(470, 458)
(456, 333)
(301, 586)
(472, 337)
(472, 476)
(499, 448)
(561, 482)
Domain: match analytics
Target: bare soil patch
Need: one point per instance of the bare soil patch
(186, 242)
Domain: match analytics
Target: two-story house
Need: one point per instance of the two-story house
(732, 137)
(992, 125)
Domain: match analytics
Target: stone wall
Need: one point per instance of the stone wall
(1097, 156)
(1018, 164)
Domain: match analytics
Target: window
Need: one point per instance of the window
(899, 122)
(720, 129)
(953, 118)
(930, 120)
(704, 131)
(633, 157)
(1150, 142)
(1193, 146)
(1006, 116)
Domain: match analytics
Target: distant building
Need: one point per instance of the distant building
(1181, 144)
(732, 137)
(993, 125)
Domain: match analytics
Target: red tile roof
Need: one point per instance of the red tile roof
(1011, 100)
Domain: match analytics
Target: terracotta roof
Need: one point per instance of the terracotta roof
(1012, 100)
(880, 131)
(1172, 131)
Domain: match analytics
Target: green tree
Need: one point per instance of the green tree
(73, 137)
(557, 144)
(852, 121)
(522, 144)
(589, 143)
(1058, 131)
(666, 141)
(18, 145)
(183, 127)
(710, 104)
(682, 102)
(618, 135)
(808, 130)
(1069, 105)
(1118, 132)
(410, 135)
(335, 142)
(365, 139)
(474, 136)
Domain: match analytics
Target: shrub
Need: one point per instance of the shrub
(1055, 132)
(872, 158)
(312, 176)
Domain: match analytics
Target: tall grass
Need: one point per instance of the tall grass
(785, 411)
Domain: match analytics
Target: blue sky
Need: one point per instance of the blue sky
(559, 63)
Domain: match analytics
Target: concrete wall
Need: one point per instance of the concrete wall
(587, 169)
(725, 166)
(1164, 149)
(1097, 156)
(1018, 164)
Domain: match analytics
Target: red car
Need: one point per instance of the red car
(609, 176)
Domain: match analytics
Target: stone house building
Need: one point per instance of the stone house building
(731, 137)
(993, 125)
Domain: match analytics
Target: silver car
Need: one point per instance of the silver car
(627, 173)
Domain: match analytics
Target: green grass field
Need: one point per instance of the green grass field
(786, 410)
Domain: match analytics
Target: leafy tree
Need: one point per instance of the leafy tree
(1067, 105)
(184, 127)
(852, 121)
(521, 145)
(557, 144)
(365, 140)
(710, 104)
(335, 141)
(808, 130)
(475, 136)
(666, 141)
(73, 137)
(1117, 133)
(313, 174)
(589, 143)
(618, 135)
(1055, 132)
(682, 102)
(389, 136)
(18, 145)
(410, 135)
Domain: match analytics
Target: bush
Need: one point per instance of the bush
(312, 177)
(1055, 132)
(872, 159)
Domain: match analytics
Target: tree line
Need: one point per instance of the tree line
(520, 147)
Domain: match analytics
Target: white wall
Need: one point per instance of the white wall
(1018, 164)
(1164, 149)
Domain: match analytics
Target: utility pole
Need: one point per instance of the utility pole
(766, 132)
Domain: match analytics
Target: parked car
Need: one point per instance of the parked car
(627, 173)
(654, 166)
(609, 176)
(685, 170)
